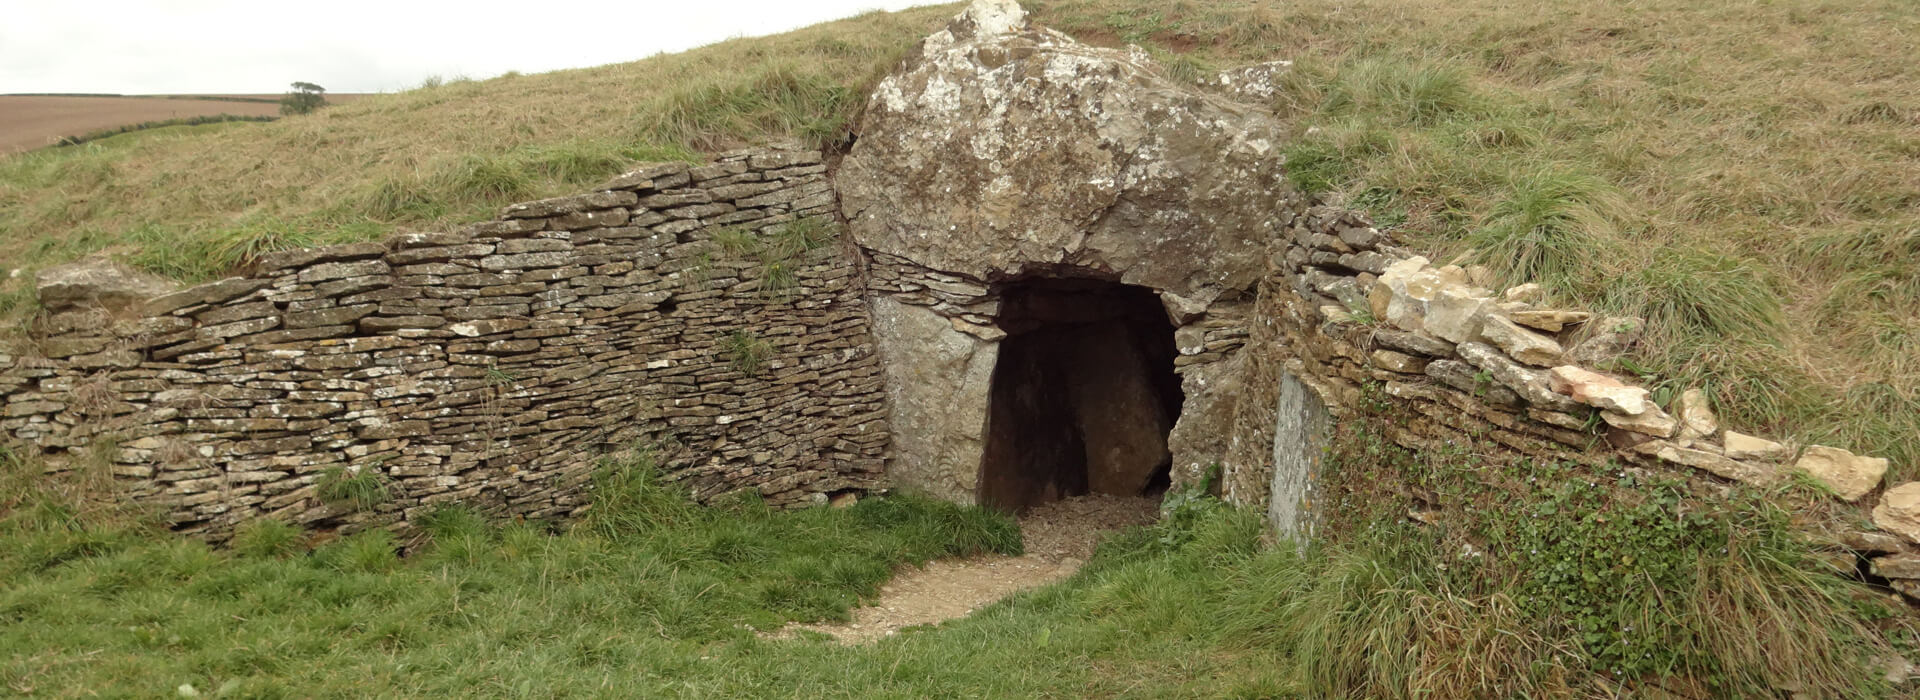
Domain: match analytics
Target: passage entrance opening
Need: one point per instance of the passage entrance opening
(1083, 395)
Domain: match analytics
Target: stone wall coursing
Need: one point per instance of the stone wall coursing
(492, 365)
(1359, 320)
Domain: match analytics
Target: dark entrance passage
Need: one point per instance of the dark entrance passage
(1083, 395)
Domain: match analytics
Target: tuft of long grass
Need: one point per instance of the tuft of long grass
(1690, 291)
(268, 537)
(1399, 91)
(359, 488)
(1550, 226)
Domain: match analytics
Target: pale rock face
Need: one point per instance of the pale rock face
(1605, 339)
(1897, 566)
(942, 429)
(1653, 422)
(1849, 475)
(1399, 362)
(995, 17)
(1899, 511)
(1529, 293)
(1413, 296)
(1524, 345)
(1001, 149)
(1331, 313)
(1549, 321)
(1530, 384)
(1456, 314)
(96, 283)
(1719, 465)
(1256, 83)
(1696, 417)
(1744, 446)
(1600, 391)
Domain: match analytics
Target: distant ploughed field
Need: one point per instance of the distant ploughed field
(32, 121)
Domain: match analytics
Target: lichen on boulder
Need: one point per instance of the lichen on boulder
(1001, 149)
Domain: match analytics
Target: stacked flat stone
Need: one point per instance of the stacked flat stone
(493, 365)
(1343, 308)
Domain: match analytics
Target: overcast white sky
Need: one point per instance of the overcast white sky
(259, 46)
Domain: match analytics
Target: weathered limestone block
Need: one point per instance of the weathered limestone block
(1899, 511)
(940, 428)
(302, 257)
(210, 293)
(1464, 377)
(569, 205)
(651, 176)
(1603, 340)
(323, 272)
(1412, 343)
(1696, 417)
(431, 254)
(1743, 446)
(1401, 293)
(1457, 314)
(1301, 433)
(1198, 440)
(1653, 421)
(1599, 390)
(1000, 148)
(1529, 384)
(1524, 345)
(1549, 321)
(1529, 293)
(1719, 465)
(1398, 362)
(1849, 475)
(96, 283)
(1897, 566)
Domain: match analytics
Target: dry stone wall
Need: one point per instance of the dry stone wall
(1343, 311)
(704, 312)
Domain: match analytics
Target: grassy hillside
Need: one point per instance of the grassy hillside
(1746, 175)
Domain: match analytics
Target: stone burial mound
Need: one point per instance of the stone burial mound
(1043, 270)
(1064, 244)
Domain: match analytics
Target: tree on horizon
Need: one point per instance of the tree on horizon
(304, 98)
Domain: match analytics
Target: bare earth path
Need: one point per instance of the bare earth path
(1059, 537)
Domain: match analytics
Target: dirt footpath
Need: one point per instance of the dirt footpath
(1058, 536)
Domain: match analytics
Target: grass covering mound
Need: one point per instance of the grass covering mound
(94, 599)
(1560, 592)
(1745, 176)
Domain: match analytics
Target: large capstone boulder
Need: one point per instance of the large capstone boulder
(96, 283)
(1001, 149)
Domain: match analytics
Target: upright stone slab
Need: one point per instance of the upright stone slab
(1299, 446)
